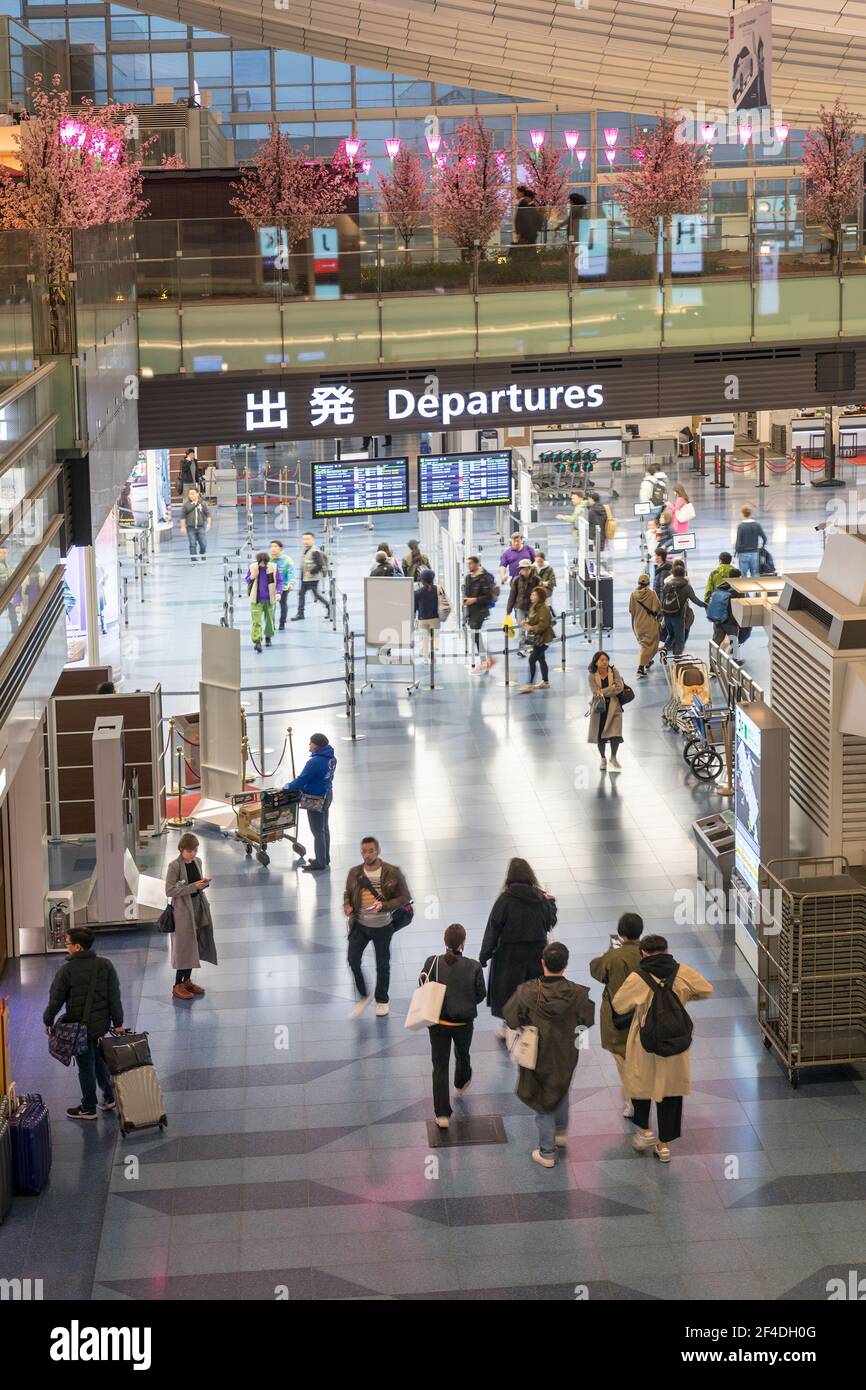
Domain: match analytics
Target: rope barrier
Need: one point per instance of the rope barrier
(780, 466)
(268, 775)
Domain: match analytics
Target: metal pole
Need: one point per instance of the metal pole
(798, 466)
(180, 819)
(702, 455)
(432, 635)
(723, 467)
(352, 721)
(140, 571)
(598, 613)
(507, 655)
(562, 621)
(716, 466)
(265, 486)
(126, 600)
(762, 467)
(332, 594)
(261, 733)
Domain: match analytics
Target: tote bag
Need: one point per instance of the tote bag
(67, 1039)
(522, 1043)
(425, 1006)
(686, 513)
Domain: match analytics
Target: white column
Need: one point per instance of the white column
(28, 865)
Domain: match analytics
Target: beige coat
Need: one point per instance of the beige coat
(645, 1076)
(612, 726)
(643, 608)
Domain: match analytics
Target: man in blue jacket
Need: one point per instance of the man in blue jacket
(317, 779)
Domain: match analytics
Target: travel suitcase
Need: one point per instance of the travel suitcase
(139, 1100)
(125, 1052)
(30, 1132)
(5, 1168)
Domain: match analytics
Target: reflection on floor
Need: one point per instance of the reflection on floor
(307, 1171)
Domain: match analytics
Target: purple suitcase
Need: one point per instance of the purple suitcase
(30, 1132)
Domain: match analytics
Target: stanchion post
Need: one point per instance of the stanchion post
(261, 706)
(180, 819)
(702, 457)
(332, 594)
(723, 468)
(762, 467)
(432, 636)
(798, 466)
(562, 634)
(506, 655)
(715, 479)
(352, 715)
(126, 600)
(599, 616)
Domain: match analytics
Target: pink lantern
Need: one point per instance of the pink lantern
(580, 156)
(708, 134)
(782, 132)
(393, 147)
(610, 156)
(611, 135)
(366, 166)
(745, 134)
(352, 147)
(537, 138)
(73, 133)
(433, 143)
(571, 139)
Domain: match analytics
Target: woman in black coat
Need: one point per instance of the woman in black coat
(516, 935)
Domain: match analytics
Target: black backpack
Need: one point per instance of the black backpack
(673, 599)
(659, 493)
(667, 1029)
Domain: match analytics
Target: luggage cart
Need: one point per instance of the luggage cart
(686, 676)
(264, 817)
(706, 750)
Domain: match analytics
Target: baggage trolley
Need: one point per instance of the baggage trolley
(706, 748)
(686, 676)
(264, 817)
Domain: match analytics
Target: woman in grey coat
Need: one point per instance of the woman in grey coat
(192, 940)
(605, 710)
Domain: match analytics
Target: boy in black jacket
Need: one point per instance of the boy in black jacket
(87, 976)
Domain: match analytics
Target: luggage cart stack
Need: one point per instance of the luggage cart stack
(812, 964)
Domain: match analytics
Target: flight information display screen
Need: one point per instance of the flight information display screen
(359, 489)
(464, 480)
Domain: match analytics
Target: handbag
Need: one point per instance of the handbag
(522, 1043)
(686, 513)
(425, 1006)
(444, 604)
(311, 803)
(165, 920)
(625, 696)
(402, 916)
(67, 1039)
(620, 1021)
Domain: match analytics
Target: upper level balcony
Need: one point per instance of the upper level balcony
(215, 296)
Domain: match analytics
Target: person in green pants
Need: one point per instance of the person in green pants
(264, 586)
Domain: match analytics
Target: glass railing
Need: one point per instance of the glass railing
(364, 297)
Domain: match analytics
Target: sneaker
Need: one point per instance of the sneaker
(314, 867)
(77, 1112)
(662, 1153)
(108, 1105)
(615, 766)
(194, 989)
(561, 1141)
(460, 1091)
(643, 1141)
(361, 1006)
(538, 1157)
(641, 672)
(181, 992)
(628, 1111)
(526, 689)
(298, 618)
(442, 1121)
(267, 641)
(257, 646)
(544, 685)
(382, 1010)
(603, 765)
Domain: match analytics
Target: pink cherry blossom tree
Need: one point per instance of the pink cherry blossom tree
(75, 172)
(832, 172)
(667, 178)
(471, 187)
(173, 161)
(403, 195)
(548, 178)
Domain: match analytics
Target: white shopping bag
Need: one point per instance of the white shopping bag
(522, 1044)
(425, 1006)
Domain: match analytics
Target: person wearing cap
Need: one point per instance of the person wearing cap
(316, 779)
(644, 608)
(383, 568)
(520, 594)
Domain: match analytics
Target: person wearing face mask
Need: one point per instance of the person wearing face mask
(192, 940)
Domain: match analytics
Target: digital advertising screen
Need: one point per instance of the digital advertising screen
(464, 480)
(747, 800)
(352, 488)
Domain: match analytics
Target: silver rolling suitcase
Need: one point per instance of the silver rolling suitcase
(139, 1099)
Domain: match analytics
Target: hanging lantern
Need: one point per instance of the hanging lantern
(611, 135)
(580, 156)
(392, 145)
(745, 134)
(433, 143)
(708, 134)
(537, 138)
(610, 156)
(782, 133)
(352, 147)
(571, 139)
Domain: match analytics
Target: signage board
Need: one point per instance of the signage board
(747, 799)
(687, 541)
(750, 56)
(464, 480)
(351, 488)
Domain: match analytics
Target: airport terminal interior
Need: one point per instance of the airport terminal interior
(371, 319)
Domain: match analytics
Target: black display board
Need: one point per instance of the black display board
(360, 487)
(464, 480)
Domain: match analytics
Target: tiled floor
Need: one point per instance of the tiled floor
(308, 1168)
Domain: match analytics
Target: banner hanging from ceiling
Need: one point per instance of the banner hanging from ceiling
(750, 56)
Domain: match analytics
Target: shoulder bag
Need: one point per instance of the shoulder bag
(444, 604)
(425, 1007)
(311, 803)
(522, 1043)
(67, 1039)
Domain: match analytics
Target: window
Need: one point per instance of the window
(130, 70)
(410, 91)
(378, 94)
(250, 99)
(166, 28)
(293, 67)
(88, 71)
(294, 98)
(333, 96)
(90, 31)
(170, 70)
(326, 71)
(213, 68)
(128, 24)
(251, 66)
(49, 29)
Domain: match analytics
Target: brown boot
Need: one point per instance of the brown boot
(193, 989)
(181, 992)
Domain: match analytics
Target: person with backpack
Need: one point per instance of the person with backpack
(515, 935)
(653, 488)
(520, 596)
(264, 586)
(382, 567)
(314, 567)
(657, 1066)
(597, 517)
(612, 970)
(413, 561)
(676, 593)
(539, 633)
(88, 986)
(561, 1011)
(427, 610)
(464, 991)
(662, 566)
(644, 609)
(606, 685)
(392, 560)
(480, 592)
(722, 571)
(546, 576)
(727, 632)
(751, 537)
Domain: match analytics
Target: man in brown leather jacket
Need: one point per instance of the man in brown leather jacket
(375, 902)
